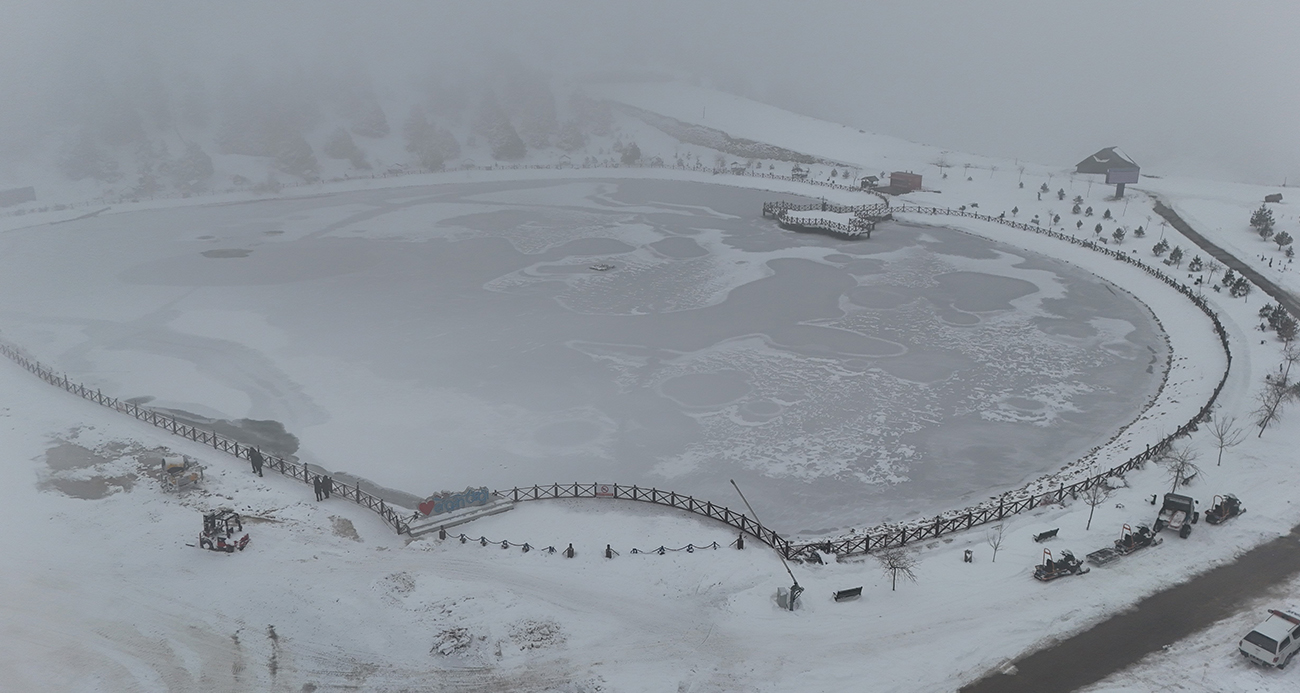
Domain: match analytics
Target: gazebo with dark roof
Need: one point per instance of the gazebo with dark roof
(1103, 161)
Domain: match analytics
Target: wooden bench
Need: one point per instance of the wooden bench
(1049, 534)
(845, 595)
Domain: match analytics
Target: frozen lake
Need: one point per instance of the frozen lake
(437, 337)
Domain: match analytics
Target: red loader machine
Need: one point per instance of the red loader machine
(219, 530)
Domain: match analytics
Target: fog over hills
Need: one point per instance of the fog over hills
(1186, 86)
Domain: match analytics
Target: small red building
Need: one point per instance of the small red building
(904, 182)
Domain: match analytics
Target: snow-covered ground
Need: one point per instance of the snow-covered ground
(101, 593)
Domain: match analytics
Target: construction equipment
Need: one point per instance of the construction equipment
(1225, 508)
(179, 473)
(1178, 513)
(1128, 542)
(1050, 569)
(219, 530)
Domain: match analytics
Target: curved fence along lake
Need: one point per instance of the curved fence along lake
(644, 332)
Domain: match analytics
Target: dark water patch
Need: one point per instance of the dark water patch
(926, 366)
(679, 248)
(1060, 327)
(879, 297)
(977, 292)
(590, 246)
(93, 488)
(812, 340)
(952, 316)
(268, 436)
(865, 267)
(567, 433)
(67, 456)
(278, 263)
(707, 389)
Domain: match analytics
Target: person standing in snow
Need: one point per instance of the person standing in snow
(326, 484)
(256, 458)
(316, 485)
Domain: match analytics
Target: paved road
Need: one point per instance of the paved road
(1287, 300)
(1156, 621)
(1171, 615)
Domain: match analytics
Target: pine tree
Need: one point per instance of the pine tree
(433, 146)
(504, 141)
(571, 137)
(1262, 219)
(1282, 239)
(372, 123)
(1118, 235)
(84, 159)
(342, 146)
(1159, 248)
(1176, 256)
(631, 155)
(596, 117)
(533, 105)
(191, 171)
(292, 155)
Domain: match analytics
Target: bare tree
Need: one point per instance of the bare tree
(1290, 355)
(1180, 463)
(897, 560)
(994, 538)
(1270, 403)
(1214, 267)
(1094, 496)
(1226, 434)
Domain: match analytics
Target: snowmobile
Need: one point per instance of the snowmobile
(1224, 508)
(1049, 569)
(1128, 542)
(219, 530)
(1132, 540)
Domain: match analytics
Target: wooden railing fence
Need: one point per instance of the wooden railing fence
(671, 499)
(1017, 501)
(878, 538)
(294, 470)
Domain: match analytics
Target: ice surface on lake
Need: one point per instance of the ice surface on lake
(439, 337)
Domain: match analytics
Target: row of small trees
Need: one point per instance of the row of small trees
(1264, 223)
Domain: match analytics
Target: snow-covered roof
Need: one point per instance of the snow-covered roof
(1104, 160)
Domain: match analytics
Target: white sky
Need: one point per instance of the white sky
(1204, 87)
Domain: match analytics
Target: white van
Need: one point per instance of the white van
(1275, 641)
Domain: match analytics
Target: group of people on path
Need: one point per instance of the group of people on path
(321, 484)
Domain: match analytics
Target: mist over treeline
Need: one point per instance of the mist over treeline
(1204, 88)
